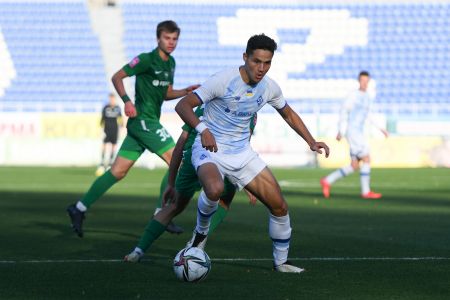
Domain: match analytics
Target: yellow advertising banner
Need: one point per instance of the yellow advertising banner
(71, 126)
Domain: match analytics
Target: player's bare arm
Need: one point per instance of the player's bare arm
(184, 108)
(117, 80)
(175, 94)
(296, 123)
(175, 162)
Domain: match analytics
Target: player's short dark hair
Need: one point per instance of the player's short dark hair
(167, 26)
(260, 41)
(364, 73)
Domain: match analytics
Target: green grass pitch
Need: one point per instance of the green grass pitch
(397, 247)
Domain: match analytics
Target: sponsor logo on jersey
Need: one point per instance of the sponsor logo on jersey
(157, 82)
(242, 113)
(238, 113)
(134, 62)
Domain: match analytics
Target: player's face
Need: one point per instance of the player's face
(363, 82)
(167, 41)
(257, 64)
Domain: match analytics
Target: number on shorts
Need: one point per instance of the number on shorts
(162, 132)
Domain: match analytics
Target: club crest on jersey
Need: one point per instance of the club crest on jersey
(259, 101)
(202, 157)
(134, 62)
(249, 93)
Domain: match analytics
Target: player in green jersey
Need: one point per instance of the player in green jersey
(154, 74)
(182, 184)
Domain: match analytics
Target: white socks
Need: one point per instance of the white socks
(339, 173)
(206, 208)
(365, 178)
(280, 233)
(81, 207)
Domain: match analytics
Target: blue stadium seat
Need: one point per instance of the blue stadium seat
(408, 50)
(55, 53)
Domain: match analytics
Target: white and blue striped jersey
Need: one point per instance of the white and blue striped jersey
(355, 112)
(230, 103)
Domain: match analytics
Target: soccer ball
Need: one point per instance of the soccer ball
(191, 264)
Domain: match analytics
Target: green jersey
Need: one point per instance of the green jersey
(153, 77)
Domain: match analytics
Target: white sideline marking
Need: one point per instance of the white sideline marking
(130, 185)
(50, 261)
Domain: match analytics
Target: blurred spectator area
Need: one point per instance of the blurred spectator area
(56, 62)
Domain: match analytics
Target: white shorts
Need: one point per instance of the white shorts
(239, 168)
(358, 145)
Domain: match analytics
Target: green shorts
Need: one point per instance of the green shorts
(145, 134)
(187, 183)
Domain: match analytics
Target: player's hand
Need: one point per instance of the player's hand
(130, 109)
(190, 88)
(208, 141)
(168, 195)
(251, 198)
(318, 146)
(338, 136)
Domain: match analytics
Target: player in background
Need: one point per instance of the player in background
(110, 121)
(354, 112)
(154, 73)
(222, 149)
(182, 184)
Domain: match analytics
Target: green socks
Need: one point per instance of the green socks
(98, 188)
(153, 230)
(217, 218)
(162, 188)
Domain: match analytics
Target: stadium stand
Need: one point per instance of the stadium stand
(55, 57)
(407, 49)
(57, 63)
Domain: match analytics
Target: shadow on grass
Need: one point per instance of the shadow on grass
(438, 199)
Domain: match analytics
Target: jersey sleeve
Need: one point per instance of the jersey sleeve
(346, 107)
(102, 120)
(253, 121)
(137, 65)
(276, 98)
(172, 71)
(212, 88)
(186, 127)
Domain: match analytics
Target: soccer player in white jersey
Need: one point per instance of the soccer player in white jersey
(222, 148)
(354, 112)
